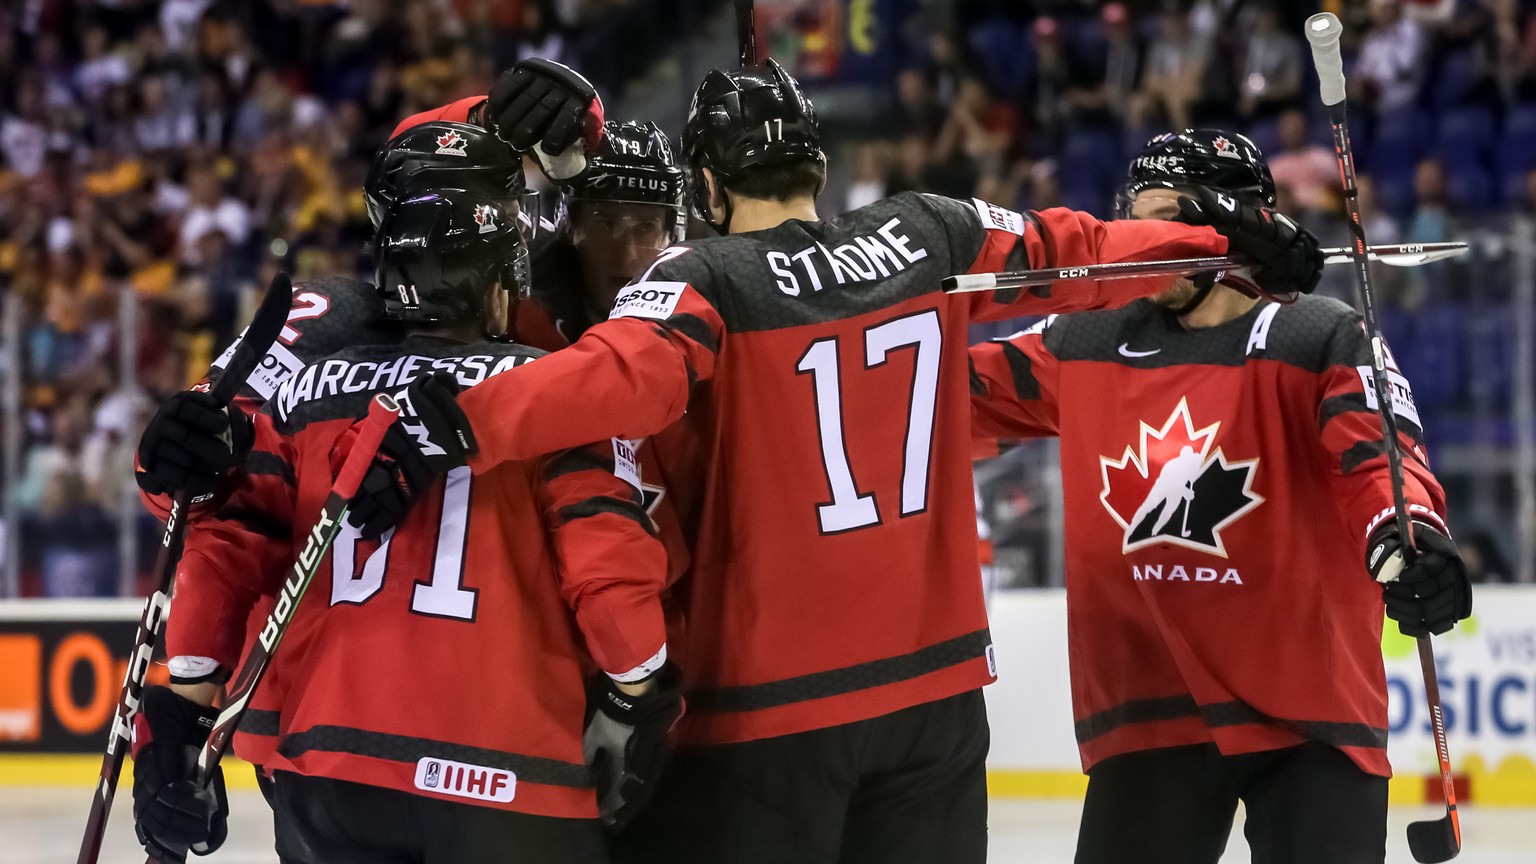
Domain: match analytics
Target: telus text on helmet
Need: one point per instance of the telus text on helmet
(862, 259)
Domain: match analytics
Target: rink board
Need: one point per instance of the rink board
(63, 664)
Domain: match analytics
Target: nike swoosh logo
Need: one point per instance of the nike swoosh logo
(1125, 351)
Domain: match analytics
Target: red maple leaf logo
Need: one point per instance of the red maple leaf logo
(485, 217)
(1130, 482)
(451, 142)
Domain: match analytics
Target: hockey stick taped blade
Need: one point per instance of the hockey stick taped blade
(1434, 840)
(970, 282)
(265, 327)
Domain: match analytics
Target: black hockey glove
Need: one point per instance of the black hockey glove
(1429, 595)
(546, 107)
(1287, 258)
(190, 444)
(431, 437)
(625, 743)
(171, 814)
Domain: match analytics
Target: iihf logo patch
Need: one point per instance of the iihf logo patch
(485, 217)
(480, 782)
(1174, 488)
(1225, 148)
(451, 143)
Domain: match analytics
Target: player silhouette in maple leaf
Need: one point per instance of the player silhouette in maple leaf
(1203, 497)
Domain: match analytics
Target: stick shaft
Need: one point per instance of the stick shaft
(381, 413)
(1400, 255)
(151, 623)
(1338, 119)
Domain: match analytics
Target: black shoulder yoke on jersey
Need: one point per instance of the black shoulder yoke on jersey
(1313, 333)
(809, 272)
(341, 385)
(328, 314)
(558, 287)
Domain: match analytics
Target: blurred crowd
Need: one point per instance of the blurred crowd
(1043, 103)
(158, 160)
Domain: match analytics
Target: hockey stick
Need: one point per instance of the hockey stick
(259, 336)
(1397, 255)
(1437, 839)
(746, 32)
(382, 411)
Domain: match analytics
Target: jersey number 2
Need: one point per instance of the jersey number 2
(443, 597)
(850, 508)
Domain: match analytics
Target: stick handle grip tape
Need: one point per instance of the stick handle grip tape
(1323, 31)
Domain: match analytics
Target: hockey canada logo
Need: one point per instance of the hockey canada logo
(1225, 148)
(485, 217)
(451, 143)
(1175, 487)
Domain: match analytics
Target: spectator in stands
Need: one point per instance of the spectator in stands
(74, 528)
(1175, 66)
(1272, 63)
(1393, 59)
(1309, 172)
(210, 209)
(1485, 563)
(100, 68)
(160, 124)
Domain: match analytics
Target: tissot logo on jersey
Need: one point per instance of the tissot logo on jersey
(862, 259)
(1174, 487)
(648, 300)
(451, 143)
(334, 377)
(277, 366)
(466, 781)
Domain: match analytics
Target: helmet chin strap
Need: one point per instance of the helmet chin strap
(1204, 282)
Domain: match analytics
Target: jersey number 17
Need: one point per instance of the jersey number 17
(849, 508)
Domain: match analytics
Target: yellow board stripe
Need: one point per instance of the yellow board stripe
(52, 769)
(1512, 786)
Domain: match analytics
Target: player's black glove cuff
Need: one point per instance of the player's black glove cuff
(431, 437)
(1429, 595)
(1287, 258)
(190, 444)
(542, 104)
(625, 743)
(171, 814)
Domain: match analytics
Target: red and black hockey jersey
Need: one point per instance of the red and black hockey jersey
(1219, 487)
(327, 315)
(447, 659)
(835, 574)
(551, 320)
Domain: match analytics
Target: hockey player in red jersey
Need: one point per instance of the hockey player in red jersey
(434, 702)
(1225, 486)
(192, 445)
(837, 633)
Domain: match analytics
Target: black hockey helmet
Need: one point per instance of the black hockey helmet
(439, 253)
(445, 155)
(745, 118)
(635, 166)
(1223, 161)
